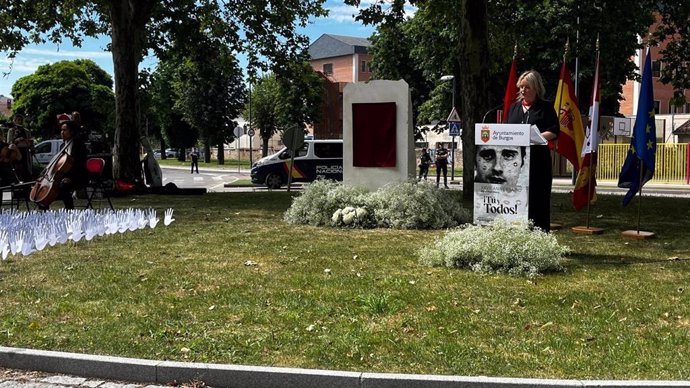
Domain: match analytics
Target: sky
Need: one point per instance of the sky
(340, 21)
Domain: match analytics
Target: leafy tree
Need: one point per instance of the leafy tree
(291, 98)
(264, 100)
(673, 25)
(392, 58)
(265, 30)
(301, 95)
(162, 113)
(210, 94)
(64, 87)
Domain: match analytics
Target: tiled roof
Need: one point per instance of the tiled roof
(329, 46)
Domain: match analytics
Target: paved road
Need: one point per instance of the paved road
(215, 179)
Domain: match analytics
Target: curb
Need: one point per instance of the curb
(223, 375)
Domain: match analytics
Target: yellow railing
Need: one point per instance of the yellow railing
(671, 162)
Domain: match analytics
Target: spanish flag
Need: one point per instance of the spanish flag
(572, 133)
(511, 91)
(585, 185)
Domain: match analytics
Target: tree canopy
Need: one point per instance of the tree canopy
(64, 87)
(263, 29)
(280, 102)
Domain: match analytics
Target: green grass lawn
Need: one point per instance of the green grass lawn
(230, 282)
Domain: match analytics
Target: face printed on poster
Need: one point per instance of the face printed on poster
(501, 173)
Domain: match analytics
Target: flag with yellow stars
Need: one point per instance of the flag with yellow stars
(638, 168)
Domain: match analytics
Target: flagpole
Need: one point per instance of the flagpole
(592, 148)
(639, 198)
(555, 226)
(645, 130)
(591, 136)
(560, 82)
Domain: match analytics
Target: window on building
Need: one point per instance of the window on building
(327, 68)
(364, 67)
(656, 69)
(657, 107)
(9, 104)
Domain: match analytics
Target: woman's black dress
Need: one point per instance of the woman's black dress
(543, 115)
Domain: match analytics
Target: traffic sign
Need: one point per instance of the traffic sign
(238, 131)
(250, 132)
(454, 116)
(454, 128)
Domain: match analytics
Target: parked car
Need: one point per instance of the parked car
(169, 153)
(45, 150)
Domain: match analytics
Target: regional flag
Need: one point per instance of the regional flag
(572, 133)
(585, 185)
(638, 168)
(511, 91)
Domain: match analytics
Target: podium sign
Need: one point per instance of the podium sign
(501, 179)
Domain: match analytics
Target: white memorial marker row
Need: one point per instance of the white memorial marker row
(27, 232)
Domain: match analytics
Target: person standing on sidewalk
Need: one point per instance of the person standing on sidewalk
(195, 159)
(441, 164)
(424, 163)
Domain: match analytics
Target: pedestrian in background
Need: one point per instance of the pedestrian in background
(424, 163)
(441, 164)
(195, 159)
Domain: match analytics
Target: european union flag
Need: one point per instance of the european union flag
(638, 168)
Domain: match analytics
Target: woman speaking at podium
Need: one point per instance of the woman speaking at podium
(530, 108)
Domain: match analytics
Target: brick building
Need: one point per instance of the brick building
(340, 60)
(662, 93)
(5, 106)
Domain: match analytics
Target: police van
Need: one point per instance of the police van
(316, 159)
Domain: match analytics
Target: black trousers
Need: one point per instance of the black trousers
(442, 167)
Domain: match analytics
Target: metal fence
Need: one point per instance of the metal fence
(672, 162)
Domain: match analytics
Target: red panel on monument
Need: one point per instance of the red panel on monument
(373, 134)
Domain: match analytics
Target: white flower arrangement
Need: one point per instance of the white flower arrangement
(497, 248)
(351, 217)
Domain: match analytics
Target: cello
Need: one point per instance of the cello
(47, 186)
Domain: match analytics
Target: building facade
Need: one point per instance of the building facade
(340, 60)
(5, 106)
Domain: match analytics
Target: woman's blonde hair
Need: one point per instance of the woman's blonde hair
(535, 81)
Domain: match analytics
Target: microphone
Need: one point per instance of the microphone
(491, 110)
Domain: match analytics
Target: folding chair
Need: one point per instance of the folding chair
(96, 184)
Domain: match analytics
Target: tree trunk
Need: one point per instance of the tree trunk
(128, 20)
(207, 151)
(473, 65)
(221, 153)
(265, 137)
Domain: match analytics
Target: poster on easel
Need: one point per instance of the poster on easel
(501, 173)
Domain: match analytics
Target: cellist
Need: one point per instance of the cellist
(76, 177)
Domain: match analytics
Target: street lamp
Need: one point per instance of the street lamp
(447, 78)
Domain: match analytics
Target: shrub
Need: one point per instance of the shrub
(320, 199)
(499, 247)
(412, 205)
(407, 205)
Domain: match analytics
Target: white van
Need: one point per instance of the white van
(317, 159)
(46, 149)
